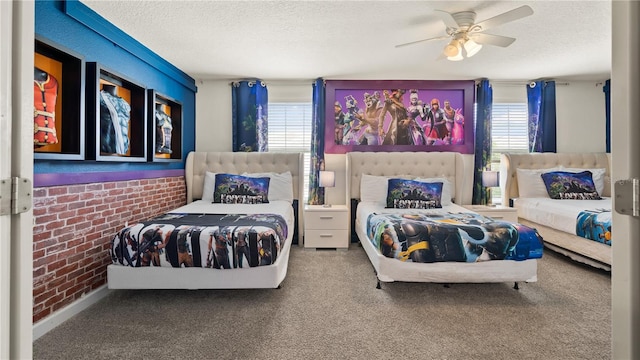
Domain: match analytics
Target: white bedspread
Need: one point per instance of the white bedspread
(557, 214)
(282, 208)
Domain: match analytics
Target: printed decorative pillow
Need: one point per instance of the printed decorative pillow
(238, 189)
(569, 185)
(411, 194)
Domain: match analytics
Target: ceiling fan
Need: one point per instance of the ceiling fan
(467, 35)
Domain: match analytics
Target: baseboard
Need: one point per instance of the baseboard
(49, 323)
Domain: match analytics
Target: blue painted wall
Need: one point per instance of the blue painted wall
(100, 41)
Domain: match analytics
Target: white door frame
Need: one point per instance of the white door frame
(625, 150)
(17, 20)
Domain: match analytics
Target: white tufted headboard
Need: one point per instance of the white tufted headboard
(450, 165)
(509, 163)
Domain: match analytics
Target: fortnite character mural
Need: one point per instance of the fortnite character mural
(45, 93)
(449, 118)
(436, 128)
(114, 121)
(339, 119)
(369, 120)
(416, 110)
(394, 106)
(351, 121)
(163, 131)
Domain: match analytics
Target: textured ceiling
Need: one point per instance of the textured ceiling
(302, 40)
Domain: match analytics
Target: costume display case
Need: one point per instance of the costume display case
(116, 116)
(165, 128)
(59, 102)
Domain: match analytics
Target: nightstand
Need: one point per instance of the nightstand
(497, 212)
(326, 227)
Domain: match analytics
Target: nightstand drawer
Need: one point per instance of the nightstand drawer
(326, 220)
(326, 239)
(506, 216)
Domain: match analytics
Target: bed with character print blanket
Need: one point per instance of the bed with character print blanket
(220, 241)
(445, 236)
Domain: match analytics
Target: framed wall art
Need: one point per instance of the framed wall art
(59, 99)
(399, 115)
(117, 114)
(165, 128)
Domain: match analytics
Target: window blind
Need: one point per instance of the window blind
(289, 130)
(509, 134)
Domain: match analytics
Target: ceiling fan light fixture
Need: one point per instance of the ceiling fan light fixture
(455, 58)
(453, 49)
(471, 47)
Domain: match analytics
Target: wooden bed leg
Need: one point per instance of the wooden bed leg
(515, 286)
(378, 286)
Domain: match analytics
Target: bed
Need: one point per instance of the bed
(560, 221)
(236, 242)
(362, 167)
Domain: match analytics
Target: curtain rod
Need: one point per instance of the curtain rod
(523, 83)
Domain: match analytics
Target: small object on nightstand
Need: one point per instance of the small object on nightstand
(326, 179)
(326, 227)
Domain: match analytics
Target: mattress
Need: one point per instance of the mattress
(558, 214)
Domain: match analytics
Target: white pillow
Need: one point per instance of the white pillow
(530, 184)
(596, 174)
(209, 185)
(280, 185)
(373, 188)
(447, 195)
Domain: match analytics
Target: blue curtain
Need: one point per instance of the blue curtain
(607, 108)
(484, 100)
(541, 98)
(316, 193)
(249, 115)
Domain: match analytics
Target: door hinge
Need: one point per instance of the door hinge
(15, 195)
(627, 197)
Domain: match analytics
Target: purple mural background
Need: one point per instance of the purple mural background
(399, 116)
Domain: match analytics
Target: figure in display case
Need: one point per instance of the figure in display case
(163, 131)
(45, 93)
(114, 121)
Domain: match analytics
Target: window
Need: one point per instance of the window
(289, 130)
(509, 134)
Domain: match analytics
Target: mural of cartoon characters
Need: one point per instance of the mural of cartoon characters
(369, 120)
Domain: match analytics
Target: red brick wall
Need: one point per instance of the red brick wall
(74, 225)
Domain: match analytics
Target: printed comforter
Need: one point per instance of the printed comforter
(219, 241)
(462, 237)
(595, 225)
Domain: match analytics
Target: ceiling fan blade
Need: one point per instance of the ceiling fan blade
(489, 39)
(419, 41)
(447, 19)
(512, 15)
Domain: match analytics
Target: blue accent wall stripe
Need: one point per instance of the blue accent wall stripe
(56, 179)
(97, 23)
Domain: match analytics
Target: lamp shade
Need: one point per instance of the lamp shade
(490, 178)
(452, 49)
(326, 178)
(471, 47)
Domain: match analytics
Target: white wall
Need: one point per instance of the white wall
(579, 106)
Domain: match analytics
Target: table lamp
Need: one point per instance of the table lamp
(490, 179)
(326, 179)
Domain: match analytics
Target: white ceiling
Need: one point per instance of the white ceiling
(302, 40)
